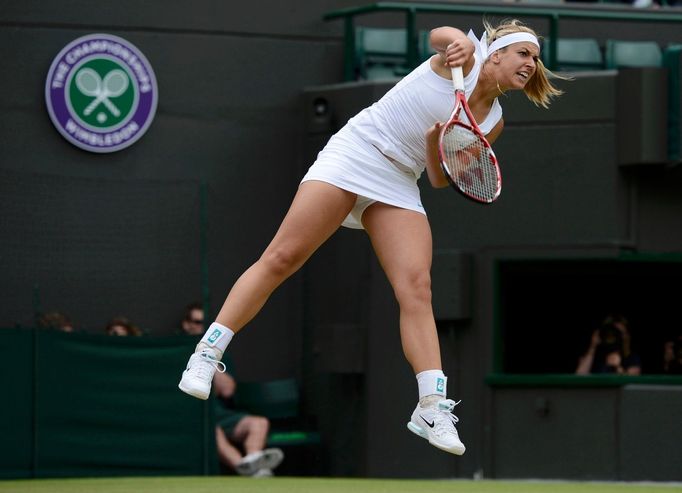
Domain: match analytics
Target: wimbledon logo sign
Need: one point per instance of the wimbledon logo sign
(101, 93)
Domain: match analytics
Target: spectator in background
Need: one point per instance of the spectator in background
(122, 326)
(240, 437)
(672, 356)
(655, 4)
(644, 4)
(55, 320)
(639, 4)
(193, 320)
(610, 350)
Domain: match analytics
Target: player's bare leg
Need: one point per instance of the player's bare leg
(315, 214)
(402, 241)
(317, 211)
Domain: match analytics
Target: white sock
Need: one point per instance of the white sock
(217, 337)
(432, 383)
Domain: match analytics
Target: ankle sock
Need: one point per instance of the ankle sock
(430, 400)
(432, 382)
(217, 337)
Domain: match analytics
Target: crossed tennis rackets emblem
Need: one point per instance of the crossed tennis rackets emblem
(113, 85)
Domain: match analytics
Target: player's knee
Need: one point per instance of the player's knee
(414, 291)
(281, 262)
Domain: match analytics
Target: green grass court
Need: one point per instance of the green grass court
(215, 484)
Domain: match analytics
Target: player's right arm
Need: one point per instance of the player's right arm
(454, 49)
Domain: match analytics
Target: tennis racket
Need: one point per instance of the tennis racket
(466, 157)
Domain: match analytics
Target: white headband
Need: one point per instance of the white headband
(506, 40)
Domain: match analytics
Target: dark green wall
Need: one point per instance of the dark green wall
(98, 236)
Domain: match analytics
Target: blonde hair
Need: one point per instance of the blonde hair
(539, 89)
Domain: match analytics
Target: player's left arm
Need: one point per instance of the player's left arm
(433, 169)
(495, 132)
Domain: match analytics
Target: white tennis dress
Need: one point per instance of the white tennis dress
(381, 152)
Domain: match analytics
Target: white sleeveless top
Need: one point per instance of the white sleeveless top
(397, 123)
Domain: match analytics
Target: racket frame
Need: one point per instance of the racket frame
(461, 104)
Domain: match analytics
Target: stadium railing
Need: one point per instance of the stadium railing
(399, 60)
(553, 14)
(672, 60)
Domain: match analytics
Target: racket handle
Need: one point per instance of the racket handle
(457, 78)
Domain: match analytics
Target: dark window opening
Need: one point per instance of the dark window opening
(549, 309)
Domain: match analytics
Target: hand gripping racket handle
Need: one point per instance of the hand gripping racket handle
(457, 78)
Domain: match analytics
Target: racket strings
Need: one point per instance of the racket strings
(470, 164)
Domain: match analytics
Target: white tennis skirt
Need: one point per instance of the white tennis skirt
(350, 162)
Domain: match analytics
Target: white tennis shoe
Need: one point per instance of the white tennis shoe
(436, 423)
(196, 379)
(260, 464)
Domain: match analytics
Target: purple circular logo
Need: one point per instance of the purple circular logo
(101, 93)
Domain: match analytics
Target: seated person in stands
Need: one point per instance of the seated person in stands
(672, 356)
(55, 320)
(122, 326)
(610, 350)
(240, 437)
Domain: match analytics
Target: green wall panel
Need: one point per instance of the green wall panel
(98, 406)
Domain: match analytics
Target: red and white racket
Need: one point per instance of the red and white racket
(466, 157)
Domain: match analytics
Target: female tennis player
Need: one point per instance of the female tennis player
(366, 177)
